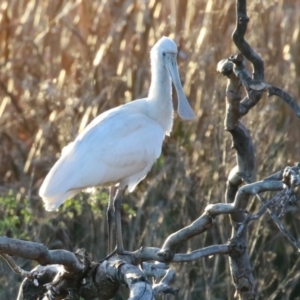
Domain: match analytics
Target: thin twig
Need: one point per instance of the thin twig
(15, 267)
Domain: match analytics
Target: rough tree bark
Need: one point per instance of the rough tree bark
(66, 275)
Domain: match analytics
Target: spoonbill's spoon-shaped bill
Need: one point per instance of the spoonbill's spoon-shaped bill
(184, 109)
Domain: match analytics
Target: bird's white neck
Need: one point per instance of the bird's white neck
(160, 97)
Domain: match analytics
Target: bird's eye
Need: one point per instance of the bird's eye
(164, 53)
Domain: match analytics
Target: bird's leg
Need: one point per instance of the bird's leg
(114, 214)
(118, 206)
(111, 221)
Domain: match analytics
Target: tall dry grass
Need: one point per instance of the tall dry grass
(63, 62)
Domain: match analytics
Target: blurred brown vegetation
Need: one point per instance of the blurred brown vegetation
(63, 62)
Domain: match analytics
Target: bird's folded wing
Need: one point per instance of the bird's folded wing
(107, 151)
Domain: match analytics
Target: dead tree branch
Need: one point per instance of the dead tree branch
(64, 274)
(239, 77)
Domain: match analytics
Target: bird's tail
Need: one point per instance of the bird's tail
(51, 204)
(56, 186)
(54, 202)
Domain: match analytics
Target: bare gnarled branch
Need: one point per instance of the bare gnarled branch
(40, 253)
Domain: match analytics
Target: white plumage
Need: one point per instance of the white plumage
(120, 145)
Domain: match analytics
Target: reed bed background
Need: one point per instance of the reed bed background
(63, 62)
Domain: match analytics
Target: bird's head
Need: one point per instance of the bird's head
(164, 45)
(165, 52)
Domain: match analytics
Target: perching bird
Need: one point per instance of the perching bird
(119, 147)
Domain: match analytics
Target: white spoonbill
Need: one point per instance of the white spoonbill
(119, 147)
